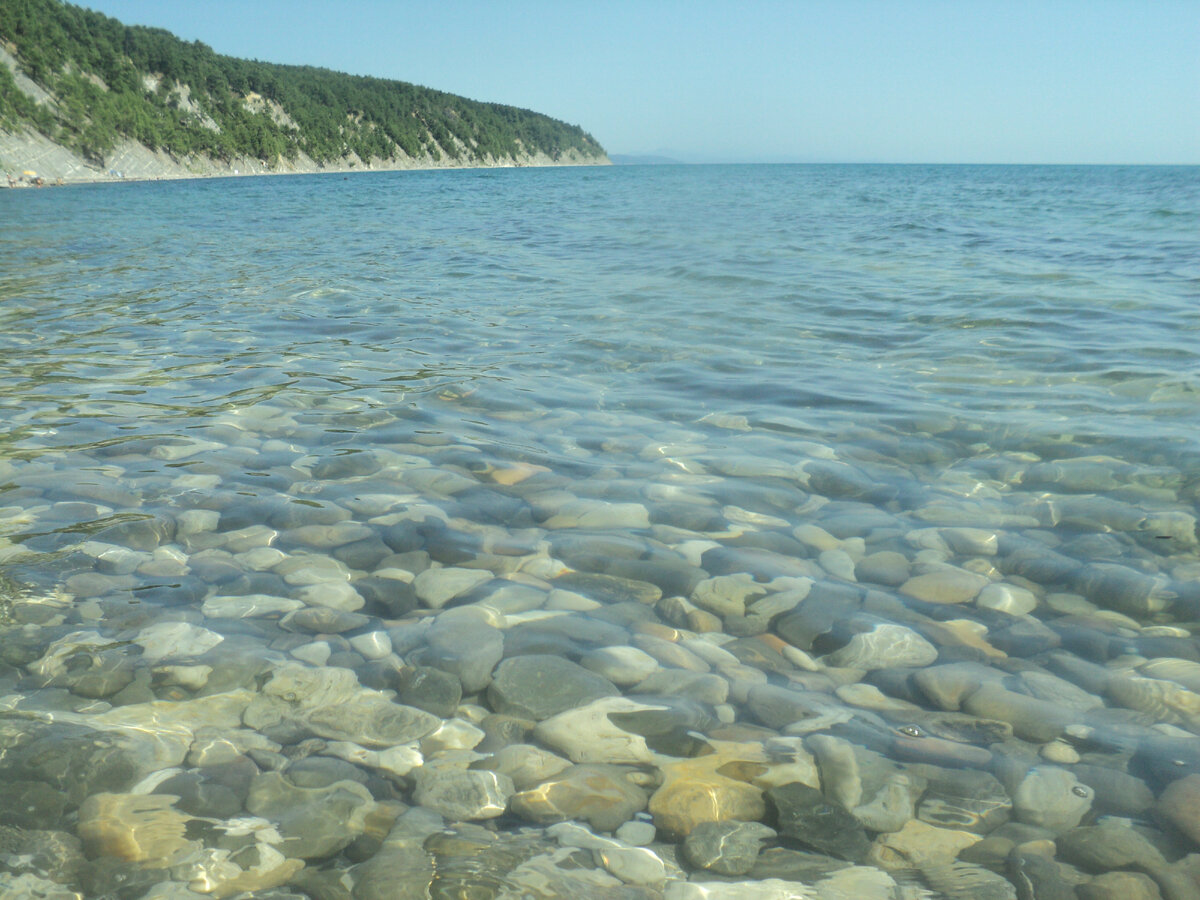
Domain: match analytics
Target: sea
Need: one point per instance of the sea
(749, 531)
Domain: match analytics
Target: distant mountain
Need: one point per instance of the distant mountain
(626, 159)
(92, 85)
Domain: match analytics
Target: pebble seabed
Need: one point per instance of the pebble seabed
(714, 660)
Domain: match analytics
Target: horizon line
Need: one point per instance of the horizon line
(752, 162)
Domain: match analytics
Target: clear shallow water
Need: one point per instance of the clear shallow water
(664, 374)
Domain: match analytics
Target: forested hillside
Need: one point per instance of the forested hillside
(106, 82)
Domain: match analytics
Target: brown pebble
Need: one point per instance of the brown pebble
(1119, 886)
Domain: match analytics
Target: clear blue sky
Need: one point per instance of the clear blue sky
(1054, 81)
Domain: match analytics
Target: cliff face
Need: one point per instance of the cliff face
(27, 150)
(83, 97)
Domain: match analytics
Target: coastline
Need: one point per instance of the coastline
(27, 151)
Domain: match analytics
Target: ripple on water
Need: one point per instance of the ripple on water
(825, 530)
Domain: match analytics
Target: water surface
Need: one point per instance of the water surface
(653, 388)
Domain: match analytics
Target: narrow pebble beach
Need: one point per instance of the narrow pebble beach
(648, 533)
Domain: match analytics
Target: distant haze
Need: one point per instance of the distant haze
(1072, 81)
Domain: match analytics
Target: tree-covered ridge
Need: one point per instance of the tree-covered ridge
(110, 81)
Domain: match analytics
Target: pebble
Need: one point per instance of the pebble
(331, 704)
(427, 688)
(191, 677)
(463, 644)
(885, 646)
(838, 563)
(462, 794)
(768, 889)
(803, 814)
(528, 766)
(1035, 873)
(727, 595)
(1059, 752)
(1109, 846)
(885, 567)
(971, 541)
(1119, 886)
(136, 828)
(394, 760)
(1059, 691)
(1164, 700)
(965, 799)
(372, 644)
(1051, 798)
(1007, 598)
(629, 641)
(323, 620)
(632, 865)
(86, 664)
(249, 606)
(1184, 672)
(598, 514)
(668, 653)
(454, 734)
(918, 845)
(258, 868)
(727, 848)
(695, 790)
(172, 640)
(587, 734)
(1032, 719)
(948, 685)
(602, 795)
(948, 585)
(314, 822)
(196, 521)
(437, 587)
(706, 688)
(838, 765)
(535, 686)
(892, 806)
(1179, 804)
(1115, 792)
(636, 833)
(867, 696)
(316, 653)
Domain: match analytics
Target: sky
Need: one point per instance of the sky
(952, 81)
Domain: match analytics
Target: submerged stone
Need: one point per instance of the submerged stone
(141, 828)
(948, 585)
(463, 644)
(315, 822)
(462, 794)
(1051, 798)
(437, 587)
(727, 848)
(885, 646)
(538, 687)
(588, 735)
(330, 703)
(603, 796)
(621, 665)
(918, 845)
(1179, 804)
(711, 788)
(965, 799)
(805, 816)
